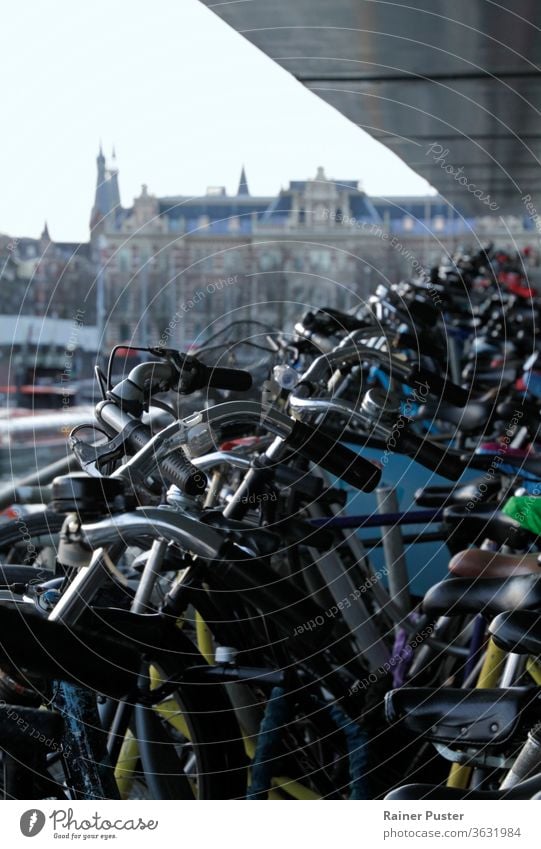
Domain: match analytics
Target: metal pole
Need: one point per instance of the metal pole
(393, 549)
(100, 298)
(144, 302)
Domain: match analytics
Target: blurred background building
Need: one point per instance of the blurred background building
(177, 268)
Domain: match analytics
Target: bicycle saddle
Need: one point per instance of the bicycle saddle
(479, 563)
(473, 418)
(456, 596)
(439, 496)
(464, 717)
(518, 632)
(475, 523)
(525, 790)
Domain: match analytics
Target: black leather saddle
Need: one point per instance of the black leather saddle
(518, 631)
(525, 790)
(474, 523)
(462, 718)
(458, 596)
(473, 418)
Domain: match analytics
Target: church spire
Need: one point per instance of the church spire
(107, 195)
(45, 234)
(243, 184)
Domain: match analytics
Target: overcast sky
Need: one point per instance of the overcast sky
(184, 99)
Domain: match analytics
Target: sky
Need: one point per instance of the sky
(183, 98)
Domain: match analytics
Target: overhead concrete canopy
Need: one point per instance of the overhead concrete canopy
(452, 88)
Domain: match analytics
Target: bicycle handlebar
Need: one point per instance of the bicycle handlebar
(176, 468)
(181, 372)
(419, 448)
(439, 386)
(314, 444)
(445, 463)
(234, 379)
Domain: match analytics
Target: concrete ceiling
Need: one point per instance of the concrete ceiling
(462, 77)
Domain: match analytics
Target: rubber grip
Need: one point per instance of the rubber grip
(428, 454)
(176, 468)
(421, 378)
(334, 457)
(235, 379)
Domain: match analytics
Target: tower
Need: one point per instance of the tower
(107, 194)
(243, 189)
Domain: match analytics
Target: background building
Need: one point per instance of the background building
(178, 268)
(219, 257)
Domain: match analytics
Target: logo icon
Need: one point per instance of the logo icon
(32, 822)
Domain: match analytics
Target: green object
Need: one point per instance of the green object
(526, 510)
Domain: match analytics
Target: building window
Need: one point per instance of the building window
(408, 222)
(320, 259)
(439, 223)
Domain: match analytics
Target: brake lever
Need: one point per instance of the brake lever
(92, 458)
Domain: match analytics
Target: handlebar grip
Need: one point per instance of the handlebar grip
(228, 378)
(437, 385)
(331, 455)
(430, 455)
(176, 468)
